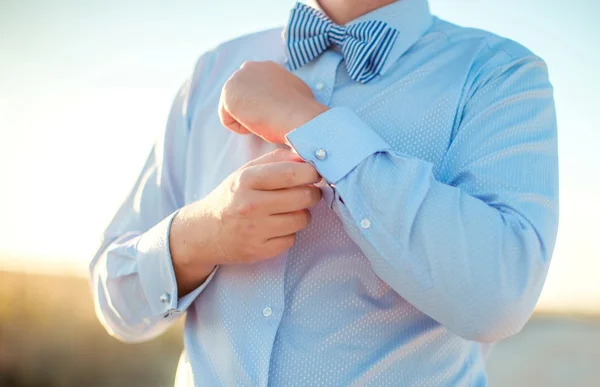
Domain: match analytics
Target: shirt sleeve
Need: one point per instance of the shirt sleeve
(469, 244)
(132, 275)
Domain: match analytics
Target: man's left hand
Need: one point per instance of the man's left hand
(265, 99)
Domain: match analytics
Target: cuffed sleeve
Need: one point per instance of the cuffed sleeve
(468, 243)
(157, 276)
(336, 142)
(133, 280)
(156, 272)
(155, 268)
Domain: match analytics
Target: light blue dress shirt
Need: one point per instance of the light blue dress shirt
(433, 238)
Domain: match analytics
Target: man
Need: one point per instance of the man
(382, 208)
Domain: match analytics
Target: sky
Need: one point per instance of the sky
(86, 86)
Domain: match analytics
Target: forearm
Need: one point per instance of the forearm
(474, 261)
(476, 269)
(133, 276)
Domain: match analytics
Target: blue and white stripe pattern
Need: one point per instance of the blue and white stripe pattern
(365, 45)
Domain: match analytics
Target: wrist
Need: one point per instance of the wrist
(188, 255)
(301, 115)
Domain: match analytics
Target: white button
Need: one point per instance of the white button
(320, 86)
(267, 311)
(365, 223)
(321, 154)
(165, 298)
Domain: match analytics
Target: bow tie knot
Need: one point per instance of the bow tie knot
(336, 34)
(365, 45)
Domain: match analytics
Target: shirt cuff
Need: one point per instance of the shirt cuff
(185, 301)
(335, 142)
(156, 272)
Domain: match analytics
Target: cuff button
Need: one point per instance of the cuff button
(365, 223)
(321, 154)
(165, 298)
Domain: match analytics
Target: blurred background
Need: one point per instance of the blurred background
(85, 88)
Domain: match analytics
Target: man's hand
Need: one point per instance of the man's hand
(265, 99)
(253, 215)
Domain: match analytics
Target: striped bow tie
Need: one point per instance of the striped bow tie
(365, 45)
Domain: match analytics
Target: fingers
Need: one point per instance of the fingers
(229, 122)
(275, 156)
(275, 246)
(290, 223)
(227, 119)
(291, 199)
(279, 175)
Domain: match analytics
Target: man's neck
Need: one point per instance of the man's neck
(344, 11)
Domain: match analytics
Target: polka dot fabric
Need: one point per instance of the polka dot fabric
(432, 241)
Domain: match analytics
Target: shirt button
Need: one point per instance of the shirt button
(320, 86)
(267, 311)
(321, 154)
(165, 298)
(365, 223)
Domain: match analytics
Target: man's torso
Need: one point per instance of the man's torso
(318, 315)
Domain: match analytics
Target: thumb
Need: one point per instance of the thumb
(276, 156)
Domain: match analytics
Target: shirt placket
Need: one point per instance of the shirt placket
(269, 310)
(321, 78)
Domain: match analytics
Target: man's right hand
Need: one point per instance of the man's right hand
(253, 215)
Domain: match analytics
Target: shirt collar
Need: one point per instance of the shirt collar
(412, 18)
